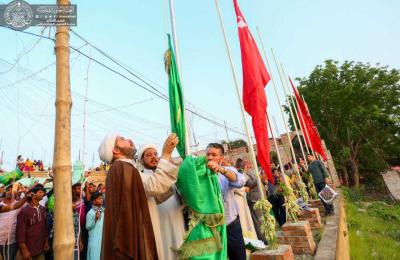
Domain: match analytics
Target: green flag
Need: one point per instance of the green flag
(176, 107)
(10, 177)
(199, 187)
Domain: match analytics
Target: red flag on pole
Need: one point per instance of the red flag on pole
(313, 140)
(255, 78)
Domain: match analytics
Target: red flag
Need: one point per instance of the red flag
(313, 140)
(255, 78)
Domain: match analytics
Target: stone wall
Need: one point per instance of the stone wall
(335, 240)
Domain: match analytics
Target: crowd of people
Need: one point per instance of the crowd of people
(143, 215)
(27, 214)
(29, 165)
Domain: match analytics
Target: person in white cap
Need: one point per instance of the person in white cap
(168, 210)
(128, 229)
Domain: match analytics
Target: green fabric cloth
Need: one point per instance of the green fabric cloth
(200, 190)
(176, 104)
(12, 176)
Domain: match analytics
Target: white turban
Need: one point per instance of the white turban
(106, 148)
(144, 147)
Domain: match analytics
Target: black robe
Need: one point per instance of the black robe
(127, 232)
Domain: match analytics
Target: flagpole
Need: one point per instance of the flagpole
(295, 108)
(249, 141)
(279, 101)
(178, 64)
(277, 152)
(308, 111)
(300, 183)
(305, 128)
(292, 115)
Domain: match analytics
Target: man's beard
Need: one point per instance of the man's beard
(129, 153)
(147, 166)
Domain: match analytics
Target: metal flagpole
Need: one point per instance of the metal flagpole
(293, 117)
(178, 64)
(305, 128)
(278, 153)
(279, 102)
(295, 166)
(312, 149)
(249, 141)
(295, 107)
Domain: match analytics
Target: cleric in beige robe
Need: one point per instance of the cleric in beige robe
(168, 209)
(128, 229)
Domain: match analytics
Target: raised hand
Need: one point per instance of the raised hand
(215, 167)
(169, 145)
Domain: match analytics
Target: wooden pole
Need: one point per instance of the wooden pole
(178, 64)
(235, 79)
(63, 224)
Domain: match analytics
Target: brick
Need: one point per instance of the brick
(284, 252)
(300, 225)
(312, 217)
(299, 236)
(303, 251)
(296, 232)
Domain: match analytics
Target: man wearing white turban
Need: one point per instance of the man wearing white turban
(168, 209)
(128, 229)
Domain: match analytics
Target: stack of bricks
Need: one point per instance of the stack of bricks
(313, 218)
(299, 236)
(317, 204)
(283, 252)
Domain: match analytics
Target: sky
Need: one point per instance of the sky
(303, 33)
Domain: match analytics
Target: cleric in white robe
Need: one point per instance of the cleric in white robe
(166, 216)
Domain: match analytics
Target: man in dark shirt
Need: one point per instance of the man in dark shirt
(32, 231)
(320, 177)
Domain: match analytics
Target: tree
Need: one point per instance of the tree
(356, 108)
(236, 143)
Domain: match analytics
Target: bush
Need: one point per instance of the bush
(353, 194)
(384, 211)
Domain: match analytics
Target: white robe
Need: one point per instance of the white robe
(169, 212)
(246, 221)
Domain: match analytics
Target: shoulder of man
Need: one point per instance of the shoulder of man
(120, 166)
(25, 209)
(232, 169)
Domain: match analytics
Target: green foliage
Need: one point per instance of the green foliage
(267, 222)
(274, 157)
(356, 108)
(353, 194)
(374, 227)
(311, 186)
(293, 210)
(236, 143)
(383, 211)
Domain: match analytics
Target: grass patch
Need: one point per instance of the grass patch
(374, 227)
